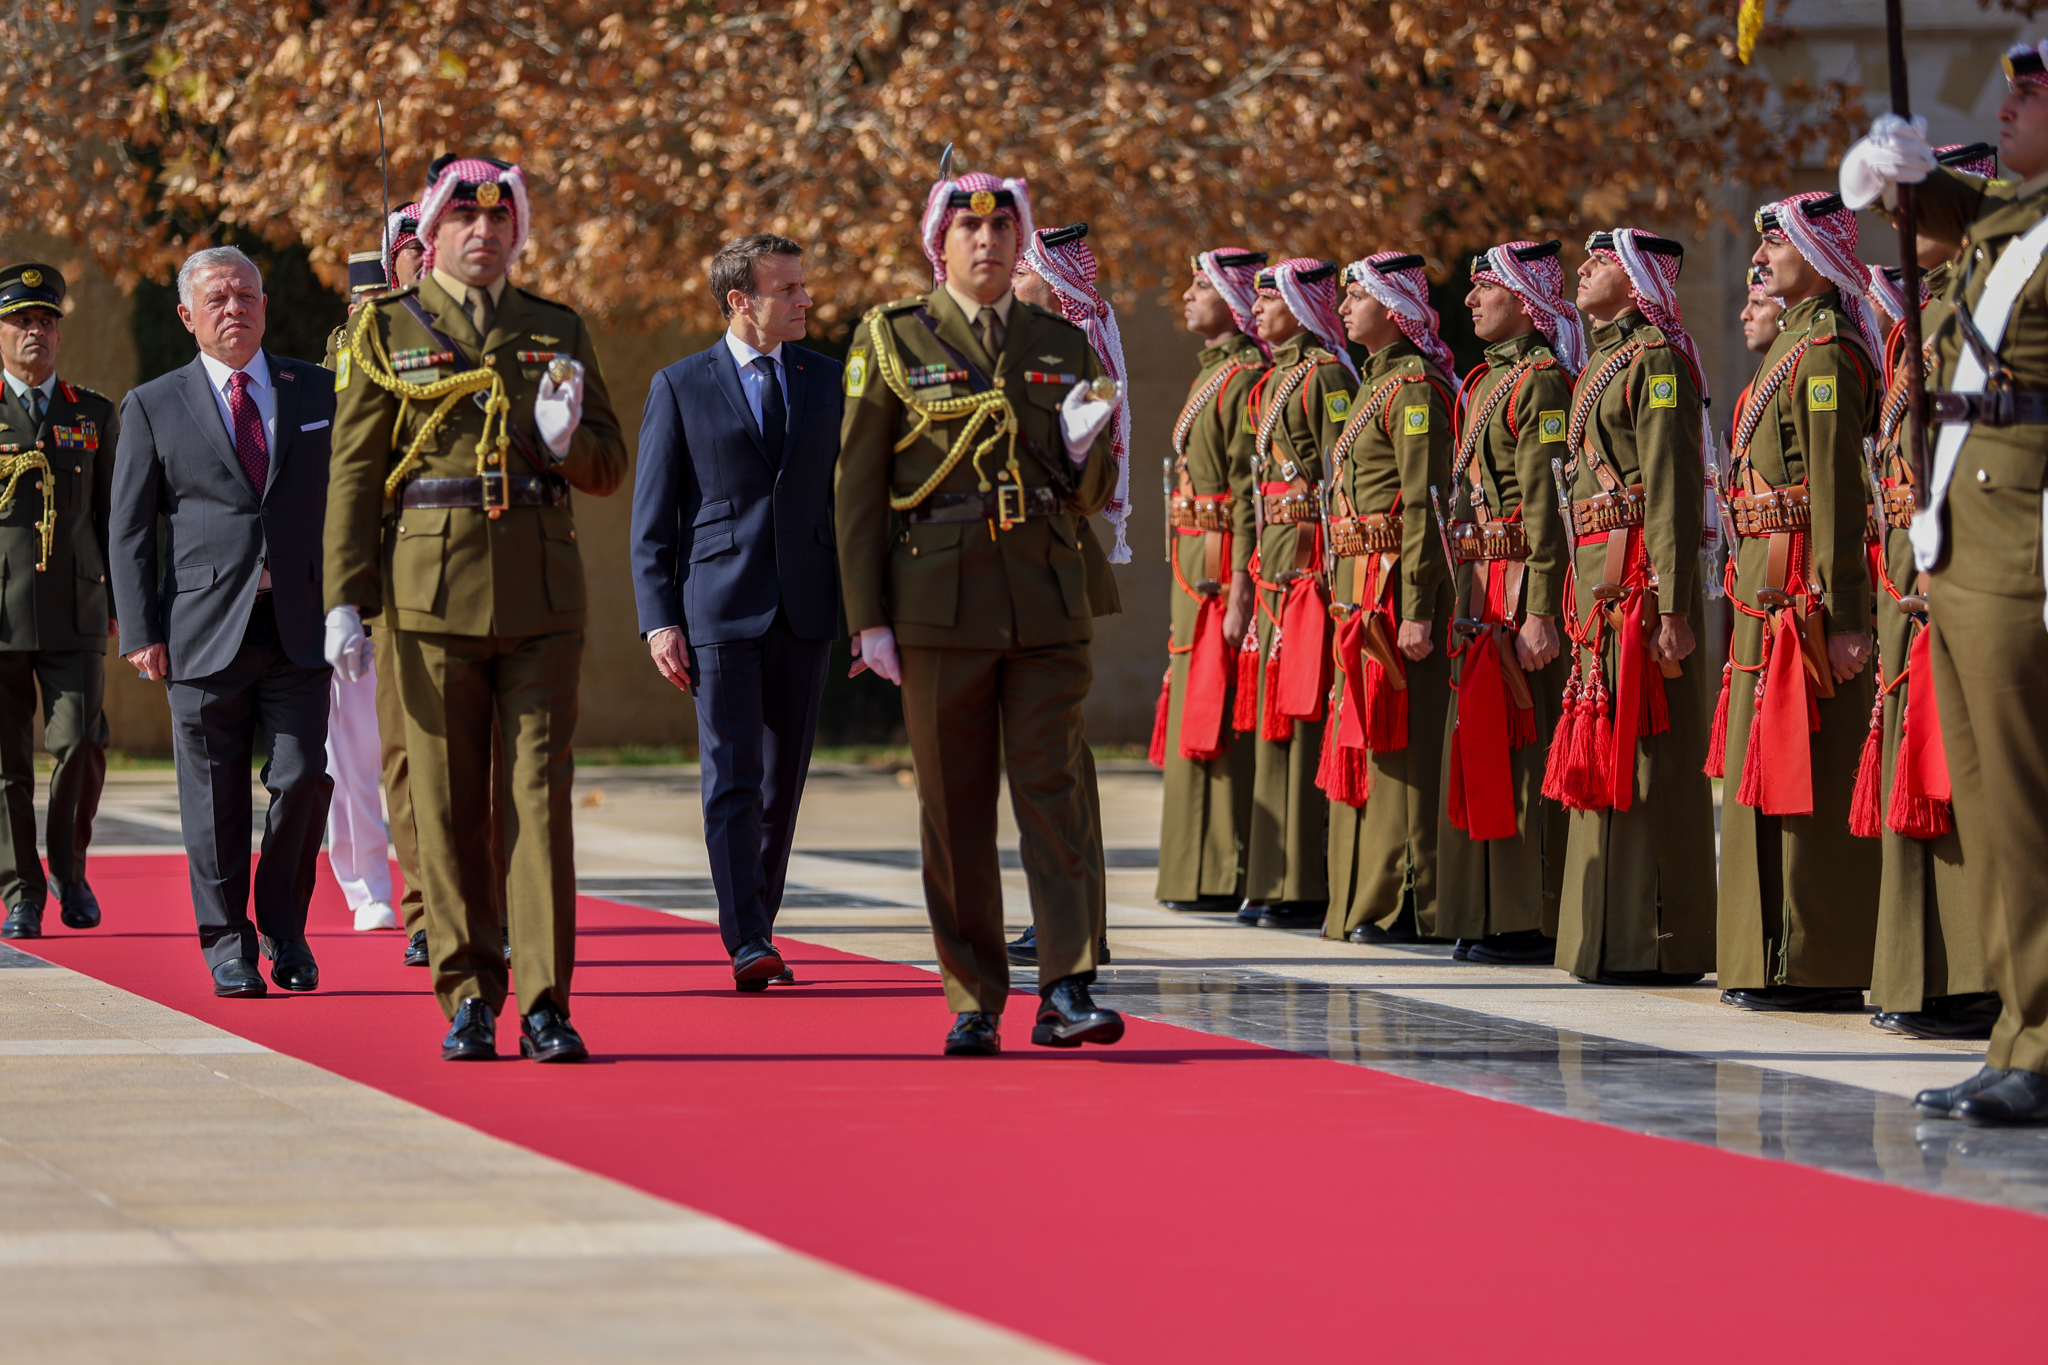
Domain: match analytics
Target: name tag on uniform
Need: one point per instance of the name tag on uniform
(1550, 426)
(85, 436)
(1663, 392)
(1415, 420)
(1821, 392)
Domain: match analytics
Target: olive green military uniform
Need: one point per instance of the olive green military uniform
(1990, 646)
(1638, 892)
(53, 629)
(1383, 853)
(1307, 397)
(1503, 886)
(992, 625)
(1929, 945)
(483, 617)
(1206, 814)
(1798, 898)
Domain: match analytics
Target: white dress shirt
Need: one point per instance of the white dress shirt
(20, 387)
(744, 356)
(264, 395)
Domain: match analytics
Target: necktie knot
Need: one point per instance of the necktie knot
(238, 382)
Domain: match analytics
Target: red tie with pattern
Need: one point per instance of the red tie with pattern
(250, 446)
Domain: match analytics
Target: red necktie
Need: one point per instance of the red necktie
(250, 446)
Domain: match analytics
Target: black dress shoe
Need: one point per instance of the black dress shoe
(1402, 930)
(2019, 1097)
(788, 978)
(473, 1037)
(238, 978)
(1650, 978)
(1523, 948)
(1461, 951)
(755, 964)
(24, 921)
(546, 1035)
(1067, 1017)
(1797, 999)
(974, 1034)
(1295, 915)
(1942, 1103)
(1251, 912)
(1948, 1017)
(1887, 1020)
(416, 949)
(1204, 905)
(80, 909)
(292, 966)
(1023, 949)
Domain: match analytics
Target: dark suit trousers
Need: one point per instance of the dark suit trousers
(74, 686)
(757, 717)
(213, 734)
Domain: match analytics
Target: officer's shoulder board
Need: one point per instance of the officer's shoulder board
(74, 392)
(901, 305)
(1653, 338)
(1822, 332)
(1409, 367)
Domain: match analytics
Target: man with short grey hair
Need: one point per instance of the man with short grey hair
(224, 608)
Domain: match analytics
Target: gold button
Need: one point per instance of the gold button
(103, 578)
(913, 552)
(999, 383)
(78, 469)
(1983, 476)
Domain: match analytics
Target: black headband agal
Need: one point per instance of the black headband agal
(1392, 265)
(2025, 62)
(1072, 232)
(1656, 246)
(1767, 217)
(1974, 151)
(1231, 260)
(1315, 274)
(982, 201)
(1536, 252)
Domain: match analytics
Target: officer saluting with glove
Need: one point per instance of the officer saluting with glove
(467, 410)
(976, 437)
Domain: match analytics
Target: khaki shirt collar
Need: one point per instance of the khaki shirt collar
(1514, 348)
(970, 307)
(459, 292)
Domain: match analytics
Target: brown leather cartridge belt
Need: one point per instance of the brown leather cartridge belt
(1289, 508)
(1605, 511)
(1998, 408)
(482, 492)
(1898, 506)
(1369, 533)
(1190, 513)
(1007, 503)
(1763, 514)
(1474, 542)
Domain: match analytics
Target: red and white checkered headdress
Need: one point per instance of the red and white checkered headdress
(1234, 272)
(401, 229)
(1652, 264)
(1064, 260)
(1534, 273)
(1310, 288)
(1396, 280)
(2027, 64)
(481, 180)
(949, 197)
(1823, 230)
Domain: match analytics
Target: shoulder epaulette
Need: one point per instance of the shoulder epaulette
(389, 296)
(72, 391)
(1651, 337)
(1412, 365)
(901, 305)
(1822, 333)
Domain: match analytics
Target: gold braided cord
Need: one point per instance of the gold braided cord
(12, 468)
(367, 346)
(976, 407)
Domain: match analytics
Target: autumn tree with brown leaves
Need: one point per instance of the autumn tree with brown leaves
(651, 129)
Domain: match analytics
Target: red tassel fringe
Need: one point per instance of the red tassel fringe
(1386, 712)
(1750, 792)
(1556, 767)
(1274, 728)
(1717, 736)
(1863, 806)
(1656, 706)
(1343, 773)
(1157, 756)
(1913, 815)
(1244, 708)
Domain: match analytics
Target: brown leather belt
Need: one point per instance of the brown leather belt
(1199, 513)
(1999, 408)
(483, 492)
(1475, 542)
(1004, 504)
(1763, 514)
(1898, 507)
(1369, 533)
(1608, 511)
(1290, 508)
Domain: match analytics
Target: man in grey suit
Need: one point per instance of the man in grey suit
(230, 452)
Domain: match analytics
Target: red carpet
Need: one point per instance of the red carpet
(1178, 1198)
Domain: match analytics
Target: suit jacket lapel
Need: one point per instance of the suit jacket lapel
(726, 372)
(509, 324)
(450, 316)
(793, 379)
(206, 420)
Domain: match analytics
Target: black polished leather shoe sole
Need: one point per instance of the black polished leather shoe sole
(80, 917)
(1642, 979)
(1106, 1027)
(1545, 956)
(416, 953)
(2018, 1100)
(250, 988)
(1941, 1027)
(1025, 956)
(1461, 951)
(763, 969)
(1203, 905)
(572, 1051)
(1798, 1000)
(468, 1050)
(971, 1043)
(1249, 913)
(22, 926)
(1294, 917)
(1941, 1104)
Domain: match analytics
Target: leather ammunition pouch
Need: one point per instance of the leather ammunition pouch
(1608, 511)
(1475, 542)
(1290, 508)
(1188, 512)
(1763, 514)
(1369, 533)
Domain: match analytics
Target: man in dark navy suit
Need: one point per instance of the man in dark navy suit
(735, 571)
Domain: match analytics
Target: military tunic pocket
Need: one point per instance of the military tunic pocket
(1063, 556)
(564, 563)
(418, 558)
(91, 592)
(924, 575)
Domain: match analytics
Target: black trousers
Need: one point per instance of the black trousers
(214, 721)
(74, 686)
(757, 718)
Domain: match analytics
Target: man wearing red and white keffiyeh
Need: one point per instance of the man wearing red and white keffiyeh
(1823, 231)
(1534, 273)
(404, 252)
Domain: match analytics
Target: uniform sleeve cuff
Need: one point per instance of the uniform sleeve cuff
(1543, 595)
(1674, 592)
(1848, 612)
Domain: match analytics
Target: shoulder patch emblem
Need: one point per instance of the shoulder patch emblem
(1550, 425)
(1663, 392)
(1415, 420)
(1821, 393)
(1337, 406)
(344, 366)
(856, 374)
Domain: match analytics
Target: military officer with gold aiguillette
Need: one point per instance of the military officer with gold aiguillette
(975, 440)
(57, 444)
(467, 410)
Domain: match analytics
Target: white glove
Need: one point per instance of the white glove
(1083, 416)
(558, 408)
(347, 648)
(1895, 153)
(877, 650)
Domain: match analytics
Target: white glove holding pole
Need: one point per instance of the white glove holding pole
(347, 649)
(558, 406)
(1085, 413)
(875, 648)
(1894, 153)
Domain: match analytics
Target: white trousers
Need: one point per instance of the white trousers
(358, 844)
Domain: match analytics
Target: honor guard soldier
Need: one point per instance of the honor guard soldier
(1760, 314)
(57, 444)
(1980, 538)
(1637, 905)
(1298, 407)
(1390, 593)
(1798, 895)
(468, 409)
(1205, 818)
(976, 438)
(1929, 978)
(1500, 843)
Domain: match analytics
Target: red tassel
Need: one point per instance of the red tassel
(1912, 813)
(1592, 745)
(1157, 757)
(1326, 763)
(1750, 791)
(1352, 773)
(1244, 710)
(1386, 711)
(1556, 767)
(1656, 706)
(1274, 727)
(1863, 806)
(1717, 736)
(1921, 789)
